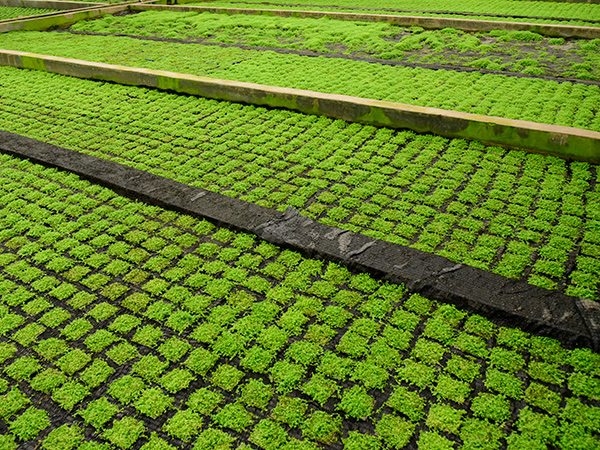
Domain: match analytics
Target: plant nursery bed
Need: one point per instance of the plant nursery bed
(501, 51)
(517, 214)
(125, 325)
(10, 12)
(537, 100)
(511, 11)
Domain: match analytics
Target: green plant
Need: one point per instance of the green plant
(125, 432)
(149, 367)
(152, 402)
(256, 394)
(48, 380)
(29, 424)
(286, 375)
(176, 380)
(204, 401)
(73, 361)
(126, 389)
(184, 425)
(65, 437)
(227, 377)
(234, 416)
(98, 412)
(322, 427)
(123, 353)
(70, 394)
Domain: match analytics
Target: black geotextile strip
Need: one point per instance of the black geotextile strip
(507, 302)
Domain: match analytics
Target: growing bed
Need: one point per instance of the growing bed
(145, 328)
(9, 12)
(576, 14)
(519, 214)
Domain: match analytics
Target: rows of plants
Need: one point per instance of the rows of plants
(125, 324)
(575, 14)
(566, 103)
(10, 12)
(517, 214)
(512, 51)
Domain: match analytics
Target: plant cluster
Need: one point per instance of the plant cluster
(520, 215)
(14, 12)
(512, 51)
(532, 99)
(496, 10)
(310, 356)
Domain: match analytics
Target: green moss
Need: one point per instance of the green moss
(449, 388)
(12, 402)
(204, 401)
(395, 431)
(445, 418)
(98, 412)
(304, 352)
(322, 427)
(234, 416)
(29, 424)
(356, 403)
(479, 434)
(201, 361)
(320, 389)
(70, 394)
(268, 435)
(184, 425)
(289, 410)
(125, 432)
(123, 353)
(174, 349)
(286, 375)
(176, 380)
(256, 394)
(99, 340)
(227, 377)
(23, 368)
(542, 397)
(417, 374)
(212, 439)
(149, 367)
(126, 389)
(360, 441)
(73, 361)
(257, 359)
(504, 383)
(489, 406)
(153, 402)
(65, 437)
(48, 380)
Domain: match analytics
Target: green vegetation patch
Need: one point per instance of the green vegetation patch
(278, 368)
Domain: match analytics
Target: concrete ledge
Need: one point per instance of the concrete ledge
(57, 19)
(565, 142)
(508, 302)
(432, 23)
(49, 4)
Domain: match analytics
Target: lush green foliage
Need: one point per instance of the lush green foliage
(123, 376)
(448, 8)
(530, 99)
(10, 12)
(512, 51)
(520, 215)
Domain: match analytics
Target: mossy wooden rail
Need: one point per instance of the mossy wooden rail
(564, 142)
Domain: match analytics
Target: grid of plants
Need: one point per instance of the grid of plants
(520, 215)
(575, 14)
(512, 51)
(10, 12)
(538, 100)
(125, 325)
